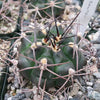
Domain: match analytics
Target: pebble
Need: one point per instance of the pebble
(10, 69)
(83, 89)
(80, 93)
(9, 86)
(37, 97)
(70, 98)
(16, 84)
(28, 94)
(75, 98)
(89, 89)
(34, 90)
(11, 92)
(94, 95)
(20, 96)
(97, 75)
(10, 98)
(52, 90)
(89, 83)
(18, 91)
(75, 90)
(96, 86)
(6, 96)
(10, 79)
(46, 97)
(12, 88)
(55, 98)
(61, 97)
(27, 99)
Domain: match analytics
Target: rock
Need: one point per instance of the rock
(74, 90)
(37, 97)
(76, 98)
(18, 91)
(89, 83)
(16, 83)
(55, 98)
(12, 88)
(89, 89)
(28, 94)
(11, 69)
(83, 89)
(46, 97)
(17, 97)
(61, 97)
(97, 75)
(70, 98)
(80, 93)
(34, 90)
(6, 96)
(27, 99)
(10, 79)
(96, 86)
(52, 90)
(10, 98)
(9, 86)
(94, 95)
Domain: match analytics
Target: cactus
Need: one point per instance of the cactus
(48, 7)
(50, 49)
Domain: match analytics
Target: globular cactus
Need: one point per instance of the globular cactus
(46, 8)
(49, 55)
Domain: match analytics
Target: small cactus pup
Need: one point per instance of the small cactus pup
(48, 56)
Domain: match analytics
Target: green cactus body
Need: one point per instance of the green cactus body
(64, 55)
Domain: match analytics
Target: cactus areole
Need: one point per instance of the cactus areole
(50, 53)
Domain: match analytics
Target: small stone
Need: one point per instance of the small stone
(16, 85)
(52, 90)
(10, 69)
(89, 83)
(18, 91)
(97, 75)
(68, 2)
(12, 88)
(37, 97)
(96, 86)
(55, 98)
(83, 89)
(20, 96)
(61, 97)
(94, 95)
(89, 89)
(27, 99)
(80, 93)
(13, 94)
(10, 79)
(9, 86)
(35, 90)
(1, 68)
(70, 97)
(28, 94)
(46, 97)
(6, 96)
(74, 90)
(10, 98)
